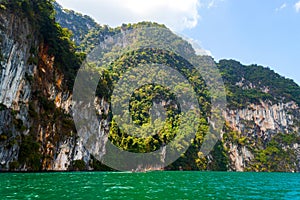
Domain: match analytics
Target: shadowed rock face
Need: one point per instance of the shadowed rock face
(28, 69)
(15, 89)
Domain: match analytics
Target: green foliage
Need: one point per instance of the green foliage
(66, 59)
(94, 36)
(3, 137)
(143, 98)
(48, 106)
(276, 157)
(19, 124)
(29, 78)
(31, 111)
(2, 7)
(142, 101)
(78, 165)
(250, 84)
(100, 33)
(220, 159)
(29, 153)
(14, 165)
(234, 136)
(2, 107)
(80, 26)
(287, 139)
(32, 60)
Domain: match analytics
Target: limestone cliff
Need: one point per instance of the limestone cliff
(260, 122)
(35, 102)
(15, 84)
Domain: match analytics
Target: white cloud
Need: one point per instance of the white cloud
(297, 6)
(202, 52)
(196, 45)
(283, 6)
(211, 4)
(176, 14)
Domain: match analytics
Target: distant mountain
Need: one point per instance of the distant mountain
(39, 63)
(79, 24)
(249, 84)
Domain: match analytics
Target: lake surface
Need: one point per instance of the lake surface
(150, 185)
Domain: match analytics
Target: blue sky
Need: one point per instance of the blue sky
(263, 32)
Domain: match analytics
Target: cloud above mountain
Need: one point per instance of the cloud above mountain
(176, 14)
(297, 6)
(283, 6)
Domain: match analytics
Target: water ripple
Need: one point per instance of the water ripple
(152, 185)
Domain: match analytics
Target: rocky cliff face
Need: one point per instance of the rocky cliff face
(35, 103)
(31, 89)
(264, 119)
(15, 49)
(261, 122)
(14, 83)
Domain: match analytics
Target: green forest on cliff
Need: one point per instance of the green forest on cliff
(245, 85)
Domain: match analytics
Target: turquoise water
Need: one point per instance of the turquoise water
(151, 185)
